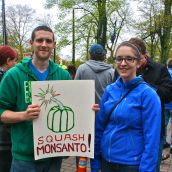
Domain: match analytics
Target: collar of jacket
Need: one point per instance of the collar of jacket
(128, 84)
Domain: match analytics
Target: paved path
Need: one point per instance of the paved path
(68, 165)
(166, 166)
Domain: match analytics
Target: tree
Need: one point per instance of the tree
(1, 38)
(156, 26)
(102, 23)
(19, 23)
(148, 26)
(45, 20)
(92, 22)
(165, 30)
(120, 16)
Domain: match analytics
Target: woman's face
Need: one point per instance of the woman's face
(126, 62)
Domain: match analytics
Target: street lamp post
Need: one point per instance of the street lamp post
(4, 24)
(73, 36)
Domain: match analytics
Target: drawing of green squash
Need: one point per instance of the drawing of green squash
(60, 118)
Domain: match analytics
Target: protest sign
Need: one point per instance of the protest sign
(65, 126)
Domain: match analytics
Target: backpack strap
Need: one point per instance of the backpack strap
(120, 100)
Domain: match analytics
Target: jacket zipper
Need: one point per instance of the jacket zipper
(109, 147)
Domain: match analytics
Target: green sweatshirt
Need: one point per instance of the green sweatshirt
(13, 97)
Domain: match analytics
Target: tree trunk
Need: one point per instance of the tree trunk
(165, 38)
(102, 23)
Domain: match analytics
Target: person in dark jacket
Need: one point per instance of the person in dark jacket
(72, 70)
(127, 136)
(96, 69)
(158, 77)
(8, 59)
(168, 114)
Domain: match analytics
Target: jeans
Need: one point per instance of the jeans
(112, 167)
(77, 161)
(5, 160)
(51, 165)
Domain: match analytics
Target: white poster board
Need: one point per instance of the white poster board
(65, 126)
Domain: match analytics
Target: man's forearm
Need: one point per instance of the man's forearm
(12, 117)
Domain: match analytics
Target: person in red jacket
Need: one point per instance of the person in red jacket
(8, 59)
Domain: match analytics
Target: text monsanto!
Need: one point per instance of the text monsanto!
(61, 143)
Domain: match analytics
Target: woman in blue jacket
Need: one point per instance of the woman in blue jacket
(127, 139)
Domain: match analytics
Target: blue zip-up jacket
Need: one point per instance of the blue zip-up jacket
(132, 134)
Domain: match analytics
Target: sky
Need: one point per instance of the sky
(35, 4)
(38, 5)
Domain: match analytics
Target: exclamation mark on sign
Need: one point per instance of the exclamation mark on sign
(89, 141)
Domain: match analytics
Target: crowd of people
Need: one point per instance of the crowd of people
(133, 105)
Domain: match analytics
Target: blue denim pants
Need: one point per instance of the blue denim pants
(112, 167)
(51, 165)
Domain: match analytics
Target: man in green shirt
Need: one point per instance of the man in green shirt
(15, 103)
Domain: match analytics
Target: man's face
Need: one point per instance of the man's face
(42, 45)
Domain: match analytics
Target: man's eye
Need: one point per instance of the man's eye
(49, 41)
(39, 40)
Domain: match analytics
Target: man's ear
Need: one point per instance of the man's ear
(31, 43)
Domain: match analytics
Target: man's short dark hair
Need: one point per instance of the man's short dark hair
(139, 43)
(43, 27)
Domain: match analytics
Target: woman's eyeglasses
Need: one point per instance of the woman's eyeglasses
(127, 59)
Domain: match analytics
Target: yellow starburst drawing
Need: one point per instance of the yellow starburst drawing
(60, 118)
(48, 96)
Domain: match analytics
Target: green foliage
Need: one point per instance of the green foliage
(93, 22)
(78, 62)
(1, 40)
(63, 4)
(62, 43)
(67, 3)
(50, 3)
(155, 27)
